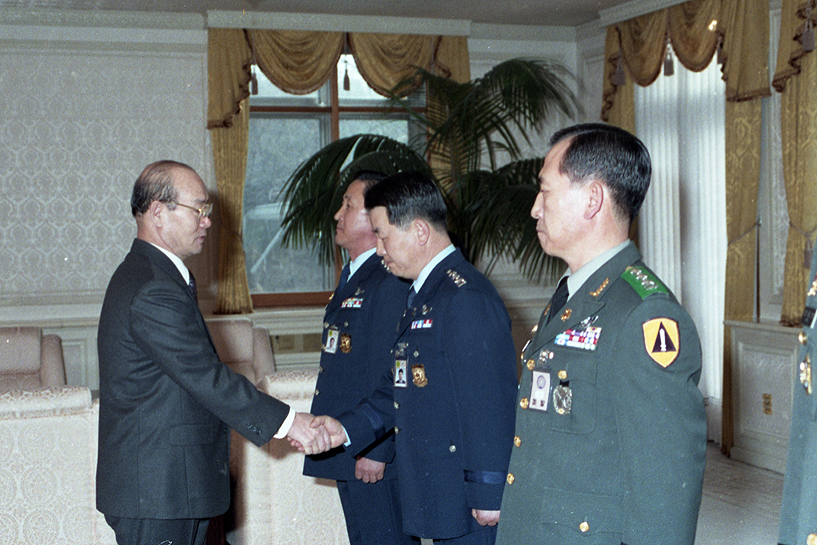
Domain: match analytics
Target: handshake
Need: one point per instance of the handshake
(315, 434)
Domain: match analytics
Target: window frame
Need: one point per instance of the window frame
(334, 110)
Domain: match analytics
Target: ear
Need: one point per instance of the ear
(155, 211)
(595, 198)
(422, 231)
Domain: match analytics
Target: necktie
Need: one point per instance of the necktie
(559, 298)
(192, 285)
(344, 277)
(410, 298)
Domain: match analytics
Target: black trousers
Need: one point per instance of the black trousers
(158, 531)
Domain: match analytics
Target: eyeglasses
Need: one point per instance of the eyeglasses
(204, 211)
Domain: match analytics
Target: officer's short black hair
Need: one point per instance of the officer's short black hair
(408, 196)
(368, 177)
(610, 154)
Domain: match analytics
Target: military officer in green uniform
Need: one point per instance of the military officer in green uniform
(610, 437)
(798, 516)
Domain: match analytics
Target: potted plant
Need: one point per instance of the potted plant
(471, 148)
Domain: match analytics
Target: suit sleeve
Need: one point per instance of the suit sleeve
(167, 326)
(481, 361)
(662, 427)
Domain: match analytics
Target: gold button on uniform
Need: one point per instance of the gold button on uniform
(562, 374)
(531, 364)
(517, 441)
(510, 478)
(584, 526)
(524, 402)
(803, 336)
(811, 539)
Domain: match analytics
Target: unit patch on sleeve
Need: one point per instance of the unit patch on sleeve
(662, 340)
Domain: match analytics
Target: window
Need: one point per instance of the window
(285, 130)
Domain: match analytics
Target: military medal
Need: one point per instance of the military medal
(585, 339)
(345, 343)
(562, 399)
(539, 391)
(418, 372)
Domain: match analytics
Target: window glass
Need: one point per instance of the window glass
(285, 130)
(277, 145)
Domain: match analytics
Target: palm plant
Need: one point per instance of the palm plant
(470, 146)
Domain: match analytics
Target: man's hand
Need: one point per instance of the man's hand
(485, 518)
(307, 438)
(369, 471)
(333, 428)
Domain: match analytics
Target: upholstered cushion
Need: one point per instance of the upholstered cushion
(20, 350)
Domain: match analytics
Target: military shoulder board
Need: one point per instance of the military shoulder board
(456, 278)
(643, 281)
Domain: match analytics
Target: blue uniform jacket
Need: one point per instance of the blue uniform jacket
(453, 413)
(361, 317)
(798, 516)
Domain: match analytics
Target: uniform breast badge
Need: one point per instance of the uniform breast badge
(661, 339)
(562, 399)
(418, 373)
(345, 343)
(805, 374)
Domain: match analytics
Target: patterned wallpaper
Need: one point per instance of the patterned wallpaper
(80, 123)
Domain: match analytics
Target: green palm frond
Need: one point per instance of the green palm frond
(473, 125)
(315, 190)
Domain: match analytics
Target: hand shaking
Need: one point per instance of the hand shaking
(315, 434)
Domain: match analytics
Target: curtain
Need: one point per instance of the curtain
(695, 29)
(744, 30)
(796, 79)
(298, 62)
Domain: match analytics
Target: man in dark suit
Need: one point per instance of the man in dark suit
(453, 415)
(610, 427)
(358, 330)
(798, 515)
(166, 401)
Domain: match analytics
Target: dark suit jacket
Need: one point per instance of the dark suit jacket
(365, 312)
(625, 462)
(454, 417)
(166, 401)
(798, 515)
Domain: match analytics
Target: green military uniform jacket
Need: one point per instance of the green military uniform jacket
(798, 516)
(610, 439)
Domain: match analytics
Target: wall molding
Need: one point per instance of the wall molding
(337, 23)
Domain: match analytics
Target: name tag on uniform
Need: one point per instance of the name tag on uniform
(586, 339)
(400, 370)
(421, 324)
(352, 302)
(808, 317)
(539, 391)
(332, 337)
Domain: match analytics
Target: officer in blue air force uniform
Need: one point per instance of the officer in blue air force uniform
(610, 425)
(798, 516)
(450, 394)
(358, 333)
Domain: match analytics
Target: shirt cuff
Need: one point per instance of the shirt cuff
(287, 424)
